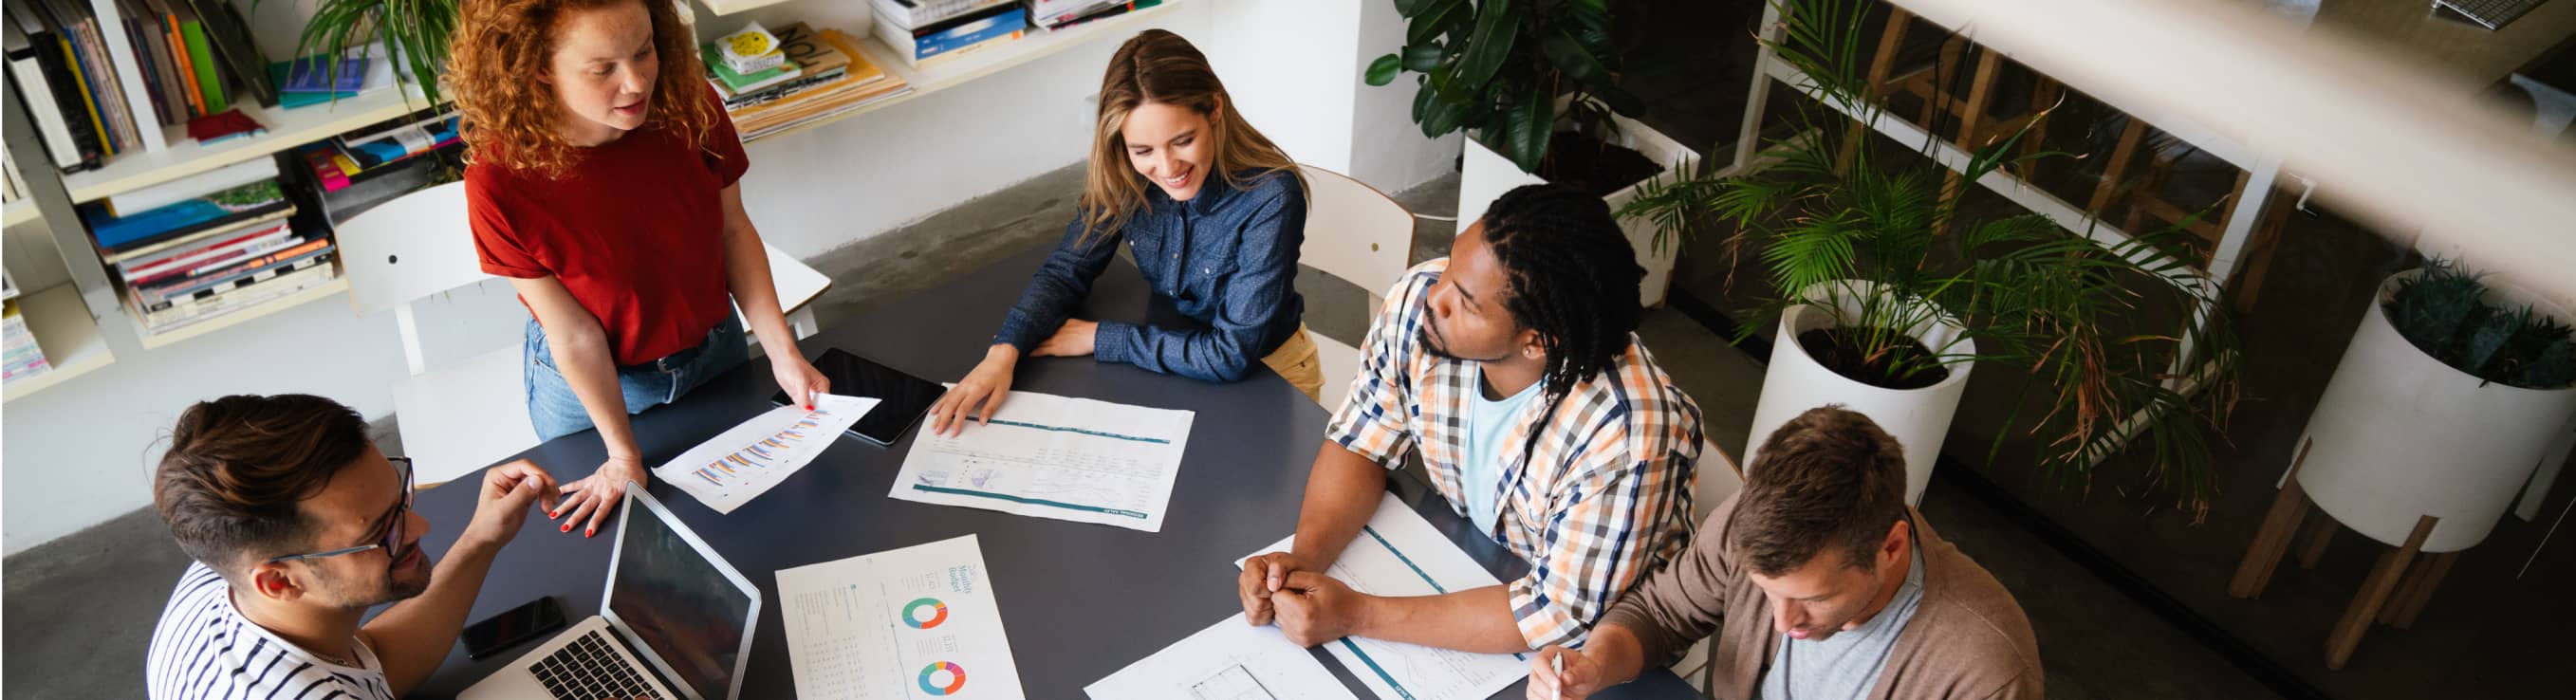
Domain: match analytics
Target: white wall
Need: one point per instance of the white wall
(1295, 67)
(77, 454)
(1390, 152)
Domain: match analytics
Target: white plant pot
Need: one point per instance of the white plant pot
(1919, 419)
(1485, 176)
(2399, 435)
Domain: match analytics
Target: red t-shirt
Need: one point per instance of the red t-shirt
(634, 229)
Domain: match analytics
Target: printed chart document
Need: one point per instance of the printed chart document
(1056, 457)
(1229, 661)
(916, 622)
(730, 469)
(1399, 554)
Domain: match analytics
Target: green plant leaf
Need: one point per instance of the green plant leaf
(1382, 71)
(1422, 96)
(1424, 58)
(1574, 60)
(1442, 116)
(1429, 24)
(1491, 41)
(1527, 128)
(1410, 8)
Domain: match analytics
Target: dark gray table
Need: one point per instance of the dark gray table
(1080, 601)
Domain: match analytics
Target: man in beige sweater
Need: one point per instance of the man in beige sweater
(1820, 584)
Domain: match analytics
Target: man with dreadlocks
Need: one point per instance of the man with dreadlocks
(1514, 366)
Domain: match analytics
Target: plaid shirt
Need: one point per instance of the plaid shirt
(1604, 499)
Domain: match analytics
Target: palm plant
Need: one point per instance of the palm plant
(2027, 293)
(415, 33)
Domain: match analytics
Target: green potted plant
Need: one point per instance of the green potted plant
(1535, 85)
(2445, 370)
(1889, 290)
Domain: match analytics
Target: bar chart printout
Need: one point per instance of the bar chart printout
(731, 468)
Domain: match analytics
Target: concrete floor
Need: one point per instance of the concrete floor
(81, 609)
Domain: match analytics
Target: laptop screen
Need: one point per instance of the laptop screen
(684, 607)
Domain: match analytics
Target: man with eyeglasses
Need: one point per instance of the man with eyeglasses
(298, 526)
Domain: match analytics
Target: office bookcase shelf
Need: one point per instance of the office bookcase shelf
(287, 128)
(70, 338)
(1033, 45)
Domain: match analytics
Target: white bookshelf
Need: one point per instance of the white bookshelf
(70, 338)
(153, 341)
(287, 128)
(1032, 45)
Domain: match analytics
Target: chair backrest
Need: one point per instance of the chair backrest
(417, 245)
(1354, 232)
(1719, 479)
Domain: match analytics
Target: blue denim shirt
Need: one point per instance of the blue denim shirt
(1226, 258)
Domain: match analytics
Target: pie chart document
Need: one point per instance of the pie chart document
(916, 622)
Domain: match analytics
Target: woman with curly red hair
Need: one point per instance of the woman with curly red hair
(603, 182)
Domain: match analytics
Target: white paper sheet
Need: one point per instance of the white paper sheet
(731, 468)
(912, 623)
(1056, 457)
(1400, 554)
(1230, 660)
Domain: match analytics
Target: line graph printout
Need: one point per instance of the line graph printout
(1230, 660)
(907, 624)
(1399, 554)
(1055, 457)
(733, 467)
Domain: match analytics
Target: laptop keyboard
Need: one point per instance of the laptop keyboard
(590, 669)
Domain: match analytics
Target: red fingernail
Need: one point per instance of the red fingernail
(590, 532)
(567, 527)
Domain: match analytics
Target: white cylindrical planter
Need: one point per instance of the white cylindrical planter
(1919, 419)
(2399, 435)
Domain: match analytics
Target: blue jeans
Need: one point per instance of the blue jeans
(556, 411)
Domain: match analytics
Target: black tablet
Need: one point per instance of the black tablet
(903, 398)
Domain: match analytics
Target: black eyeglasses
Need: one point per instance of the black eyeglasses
(393, 529)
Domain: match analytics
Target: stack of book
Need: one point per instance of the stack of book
(830, 76)
(209, 254)
(927, 32)
(195, 58)
(1056, 15)
(20, 358)
(346, 159)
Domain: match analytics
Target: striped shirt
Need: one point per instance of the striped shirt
(1603, 499)
(204, 648)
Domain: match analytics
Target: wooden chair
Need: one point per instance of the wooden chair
(459, 418)
(1976, 125)
(2144, 198)
(1361, 236)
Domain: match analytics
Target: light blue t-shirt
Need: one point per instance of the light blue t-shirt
(1489, 449)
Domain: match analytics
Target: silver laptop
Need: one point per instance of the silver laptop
(671, 601)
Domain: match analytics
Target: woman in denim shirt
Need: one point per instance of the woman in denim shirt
(1214, 213)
